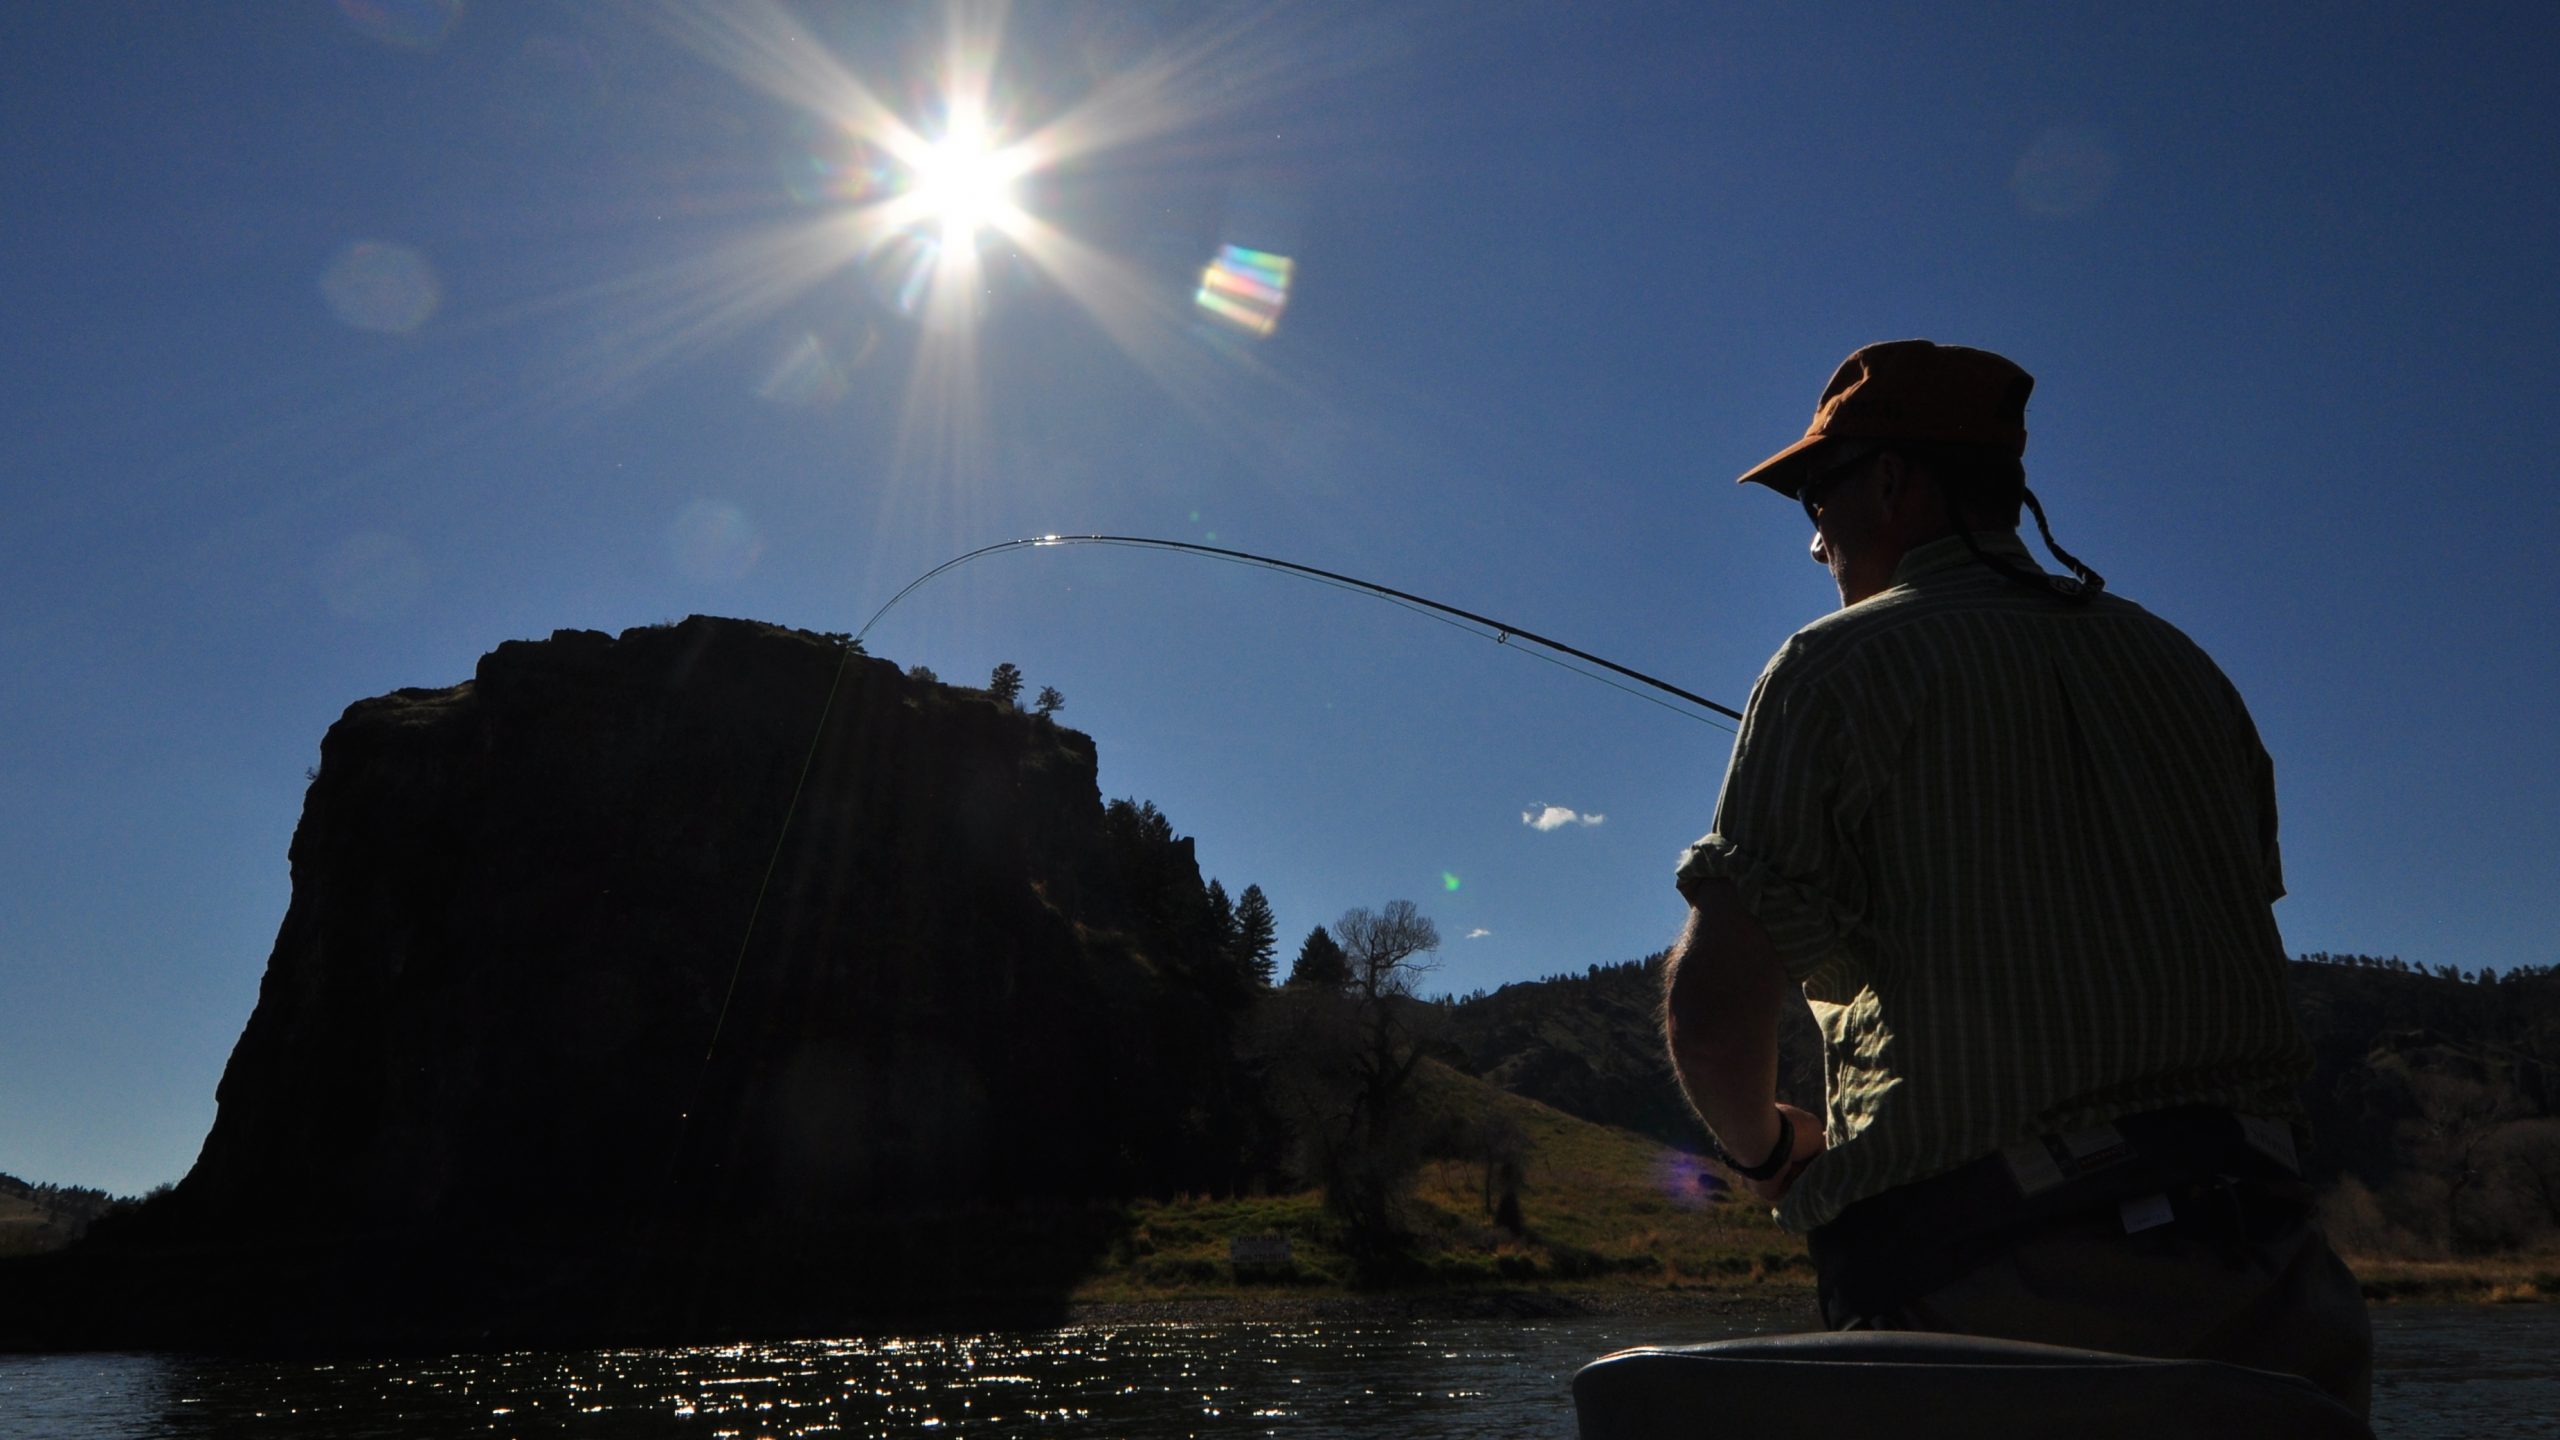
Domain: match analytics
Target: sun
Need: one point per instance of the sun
(964, 182)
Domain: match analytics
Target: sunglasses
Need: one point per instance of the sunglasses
(1808, 494)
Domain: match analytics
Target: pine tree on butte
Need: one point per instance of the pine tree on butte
(1321, 963)
(1050, 701)
(1006, 683)
(1255, 934)
(1222, 920)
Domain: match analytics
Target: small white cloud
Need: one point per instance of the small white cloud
(1556, 817)
(1478, 933)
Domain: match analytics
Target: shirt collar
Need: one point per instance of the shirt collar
(1949, 552)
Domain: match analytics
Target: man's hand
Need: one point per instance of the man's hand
(1809, 1143)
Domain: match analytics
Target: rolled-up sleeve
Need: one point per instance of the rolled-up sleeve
(1792, 797)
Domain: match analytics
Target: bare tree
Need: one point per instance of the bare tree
(1386, 949)
(2463, 1114)
(1341, 1067)
(2530, 1152)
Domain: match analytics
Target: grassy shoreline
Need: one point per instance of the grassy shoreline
(2530, 1279)
(1610, 1223)
(1774, 1303)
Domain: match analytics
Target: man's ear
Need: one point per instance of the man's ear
(1893, 482)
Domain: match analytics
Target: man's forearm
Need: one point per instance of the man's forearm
(1722, 988)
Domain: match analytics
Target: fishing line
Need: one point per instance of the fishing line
(1554, 652)
(1500, 632)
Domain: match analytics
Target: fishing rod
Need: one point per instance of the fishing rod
(1503, 633)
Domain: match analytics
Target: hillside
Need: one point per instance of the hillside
(28, 1229)
(38, 1219)
(1592, 1209)
(2431, 1099)
(1591, 1046)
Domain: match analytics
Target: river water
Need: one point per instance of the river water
(2442, 1373)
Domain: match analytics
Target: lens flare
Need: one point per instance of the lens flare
(1449, 881)
(808, 377)
(931, 189)
(1246, 288)
(388, 289)
(834, 169)
(713, 542)
(1688, 1182)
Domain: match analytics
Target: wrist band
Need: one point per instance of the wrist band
(1778, 1155)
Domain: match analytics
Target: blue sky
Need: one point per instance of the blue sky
(348, 341)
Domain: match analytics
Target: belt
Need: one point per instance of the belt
(2202, 1167)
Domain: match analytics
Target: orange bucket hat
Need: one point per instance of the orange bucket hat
(1909, 390)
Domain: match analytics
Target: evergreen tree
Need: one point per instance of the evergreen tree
(923, 674)
(1222, 920)
(1136, 824)
(1006, 683)
(1320, 965)
(1255, 934)
(1050, 701)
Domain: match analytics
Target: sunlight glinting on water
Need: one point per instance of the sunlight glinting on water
(2443, 1372)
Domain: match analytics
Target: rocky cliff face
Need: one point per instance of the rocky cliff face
(558, 987)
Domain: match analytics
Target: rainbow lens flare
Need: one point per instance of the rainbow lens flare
(1246, 288)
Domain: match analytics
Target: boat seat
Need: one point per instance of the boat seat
(1912, 1386)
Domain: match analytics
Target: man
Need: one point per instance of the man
(2015, 838)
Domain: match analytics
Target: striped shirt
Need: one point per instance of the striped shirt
(2021, 855)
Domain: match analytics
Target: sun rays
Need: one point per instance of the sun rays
(911, 196)
(956, 184)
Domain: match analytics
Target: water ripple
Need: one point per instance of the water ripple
(2467, 1372)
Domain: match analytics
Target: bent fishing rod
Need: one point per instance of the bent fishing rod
(1501, 632)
